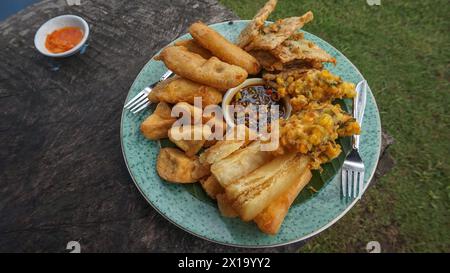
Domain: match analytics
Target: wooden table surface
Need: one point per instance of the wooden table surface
(63, 177)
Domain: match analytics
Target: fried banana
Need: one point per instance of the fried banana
(194, 47)
(212, 72)
(157, 125)
(177, 89)
(223, 49)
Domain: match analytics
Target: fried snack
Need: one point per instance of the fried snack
(253, 193)
(212, 72)
(314, 130)
(223, 49)
(270, 219)
(276, 33)
(253, 27)
(194, 47)
(240, 163)
(225, 207)
(190, 139)
(158, 123)
(298, 48)
(211, 186)
(271, 77)
(312, 86)
(235, 139)
(177, 89)
(271, 63)
(174, 166)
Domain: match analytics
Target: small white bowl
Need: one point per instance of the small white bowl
(229, 95)
(57, 23)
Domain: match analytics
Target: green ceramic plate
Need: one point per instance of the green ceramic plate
(187, 206)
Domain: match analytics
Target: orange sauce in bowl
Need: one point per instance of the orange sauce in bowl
(63, 39)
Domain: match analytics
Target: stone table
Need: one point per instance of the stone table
(63, 177)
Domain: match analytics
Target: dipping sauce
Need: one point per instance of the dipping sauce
(256, 95)
(63, 39)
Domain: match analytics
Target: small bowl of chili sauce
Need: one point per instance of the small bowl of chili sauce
(251, 94)
(62, 36)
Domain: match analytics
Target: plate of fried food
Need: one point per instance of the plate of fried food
(244, 144)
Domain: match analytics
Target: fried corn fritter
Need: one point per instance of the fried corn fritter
(311, 85)
(314, 130)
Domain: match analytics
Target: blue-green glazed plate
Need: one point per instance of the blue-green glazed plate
(186, 206)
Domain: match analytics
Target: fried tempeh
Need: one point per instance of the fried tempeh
(223, 49)
(274, 34)
(270, 219)
(174, 166)
(253, 27)
(157, 125)
(240, 163)
(253, 193)
(178, 89)
(212, 72)
(194, 47)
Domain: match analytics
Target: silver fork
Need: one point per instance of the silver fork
(140, 101)
(352, 177)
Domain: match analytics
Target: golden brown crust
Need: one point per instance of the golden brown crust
(174, 166)
(194, 47)
(212, 72)
(178, 89)
(274, 34)
(253, 27)
(223, 49)
(156, 126)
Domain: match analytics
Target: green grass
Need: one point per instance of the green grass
(403, 50)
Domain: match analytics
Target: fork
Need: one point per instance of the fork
(352, 176)
(140, 101)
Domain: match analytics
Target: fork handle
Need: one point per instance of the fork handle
(359, 105)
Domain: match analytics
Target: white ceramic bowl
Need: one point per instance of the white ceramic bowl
(57, 23)
(231, 92)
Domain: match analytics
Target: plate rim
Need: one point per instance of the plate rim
(316, 232)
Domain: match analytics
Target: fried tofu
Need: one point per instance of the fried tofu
(190, 139)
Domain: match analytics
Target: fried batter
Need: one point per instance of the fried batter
(212, 72)
(157, 124)
(253, 27)
(223, 49)
(194, 47)
(276, 33)
(174, 166)
(177, 89)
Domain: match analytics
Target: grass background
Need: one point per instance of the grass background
(403, 50)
